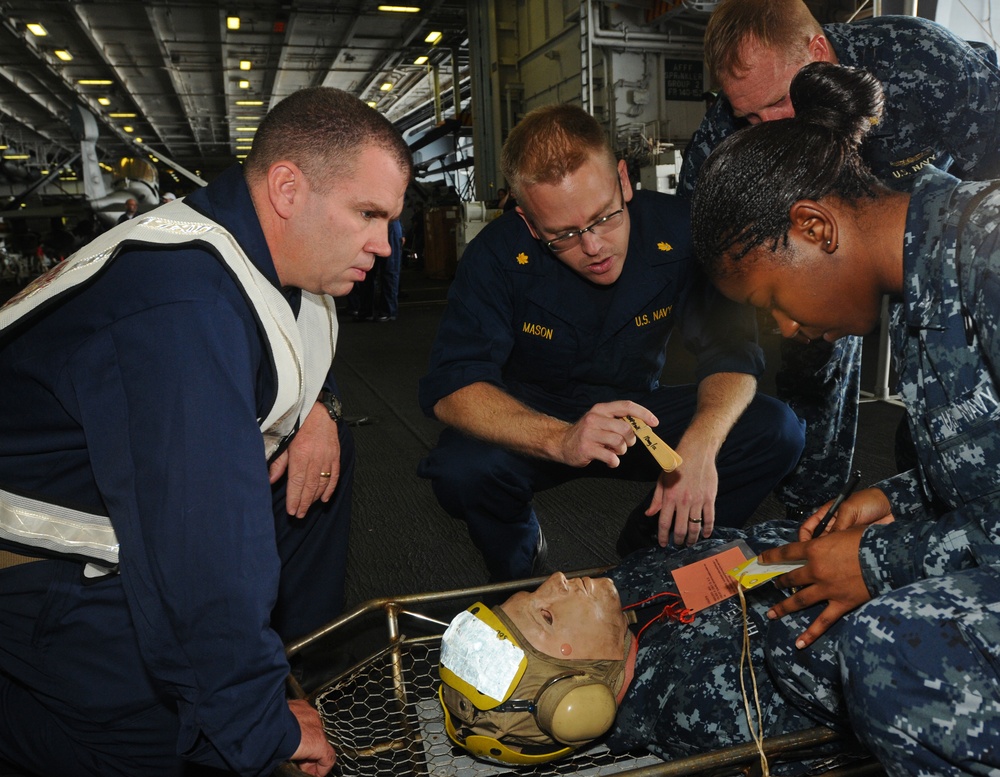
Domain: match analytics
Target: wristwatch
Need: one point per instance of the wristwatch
(332, 404)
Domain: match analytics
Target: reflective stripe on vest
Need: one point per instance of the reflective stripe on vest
(57, 529)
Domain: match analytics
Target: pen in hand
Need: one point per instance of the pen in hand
(852, 483)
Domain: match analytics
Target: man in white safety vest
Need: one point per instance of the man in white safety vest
(172, 449)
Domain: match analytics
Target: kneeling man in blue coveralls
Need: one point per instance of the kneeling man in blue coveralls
(556, 329)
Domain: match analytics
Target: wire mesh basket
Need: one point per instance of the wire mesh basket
(383, 716)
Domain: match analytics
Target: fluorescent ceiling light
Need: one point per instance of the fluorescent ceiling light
(243, 148)
(138, 140)
(17, 156)
(420, 60)
(36, 29)
(245, 64)
(246, 129)
(433, 37)
(372, 103)
(64, 55)
(232, 22)
(105, 101)
(95, 82)
(386, 87)
(399, 8)
(121, 115)
(249, 102)
(244, 140)
(127, 128)
(244, 84)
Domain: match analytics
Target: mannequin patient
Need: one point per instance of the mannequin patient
(617, 657)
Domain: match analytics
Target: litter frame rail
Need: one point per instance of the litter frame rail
(382, 715)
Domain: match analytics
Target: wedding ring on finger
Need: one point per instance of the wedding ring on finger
(325, 474)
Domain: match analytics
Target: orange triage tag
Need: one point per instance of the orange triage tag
(706, 582)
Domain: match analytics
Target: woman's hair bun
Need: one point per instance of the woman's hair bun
(845, 100)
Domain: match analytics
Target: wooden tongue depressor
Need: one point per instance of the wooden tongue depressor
(665, 455)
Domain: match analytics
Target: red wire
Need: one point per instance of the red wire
(674, 610)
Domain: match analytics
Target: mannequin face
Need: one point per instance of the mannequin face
(579, 619)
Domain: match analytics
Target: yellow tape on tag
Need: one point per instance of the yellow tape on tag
(665, 456)
(752, 573)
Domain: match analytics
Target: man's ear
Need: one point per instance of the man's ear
(820, 49)
(526, 220)
(625, 180)
(284, 182)
(815, 224)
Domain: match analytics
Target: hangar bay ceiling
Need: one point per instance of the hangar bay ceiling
(186, 81)
(183, 83)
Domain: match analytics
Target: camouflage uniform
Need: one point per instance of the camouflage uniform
(942, 107)
(916, 670)
(685, 697)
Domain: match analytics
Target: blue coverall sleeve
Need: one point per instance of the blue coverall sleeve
(475, 337)
(177, 455)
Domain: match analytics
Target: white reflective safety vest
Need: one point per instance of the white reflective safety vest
(301, 351)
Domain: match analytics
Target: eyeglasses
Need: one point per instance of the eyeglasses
(600, 227)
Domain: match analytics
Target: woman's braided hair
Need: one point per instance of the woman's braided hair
(748, 185)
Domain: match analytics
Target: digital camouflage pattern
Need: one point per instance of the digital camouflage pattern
(950, 388)
(685, 697)
(915, 672)
(942, 107)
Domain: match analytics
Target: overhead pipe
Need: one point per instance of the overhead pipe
(587, 47)
(437, 94)
(641, 41)
(455, 85)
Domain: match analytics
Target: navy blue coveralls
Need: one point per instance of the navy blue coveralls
(521, 320)
(138, 397)
(942, 107)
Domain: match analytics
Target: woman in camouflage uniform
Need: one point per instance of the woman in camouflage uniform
(894, 629)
